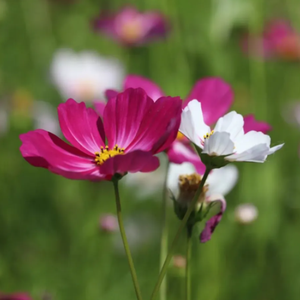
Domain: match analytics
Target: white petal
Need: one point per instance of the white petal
(257, 154)
(175, 170)
(218, 144)
(221, 181)
(233, 123)
(192, 123)
(251, 139)
(275, 148)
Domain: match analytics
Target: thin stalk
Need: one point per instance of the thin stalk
(176, 238)
(125, 242)
(188, 263)
(164, 236)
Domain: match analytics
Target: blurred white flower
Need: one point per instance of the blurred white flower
(141, 231)
(184, 183)
(145, 185)
(246, 213)
(85, 76)
(220, 181)
(45, 117)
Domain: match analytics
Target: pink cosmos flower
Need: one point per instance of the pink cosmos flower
(134, 126)
(215, 96)
(279, 39)
(16, 296)
(131, 27)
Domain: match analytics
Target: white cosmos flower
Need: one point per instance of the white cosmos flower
(45, 117)
(227, 139)
(85, 76)
(220, 181)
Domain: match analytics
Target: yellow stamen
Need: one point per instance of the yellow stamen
(105, 154)
(206, 136)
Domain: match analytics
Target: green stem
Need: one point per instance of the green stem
(164, 237)
(125, 242)
(188, 263)
(176, 238)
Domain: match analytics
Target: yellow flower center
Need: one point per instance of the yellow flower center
(206, 136)
(106, 153)
(180, 136)
(131, 31)
(188, 185)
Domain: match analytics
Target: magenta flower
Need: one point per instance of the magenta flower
(279, 39)
(216, 97)
(134, 126)
(131, 27)
(16, 296)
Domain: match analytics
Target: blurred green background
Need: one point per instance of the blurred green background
(50, 240)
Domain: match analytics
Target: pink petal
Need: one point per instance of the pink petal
(159, 126)
(43, 149)
(152, 89)
(81, 126)
(106, 24)
(251, 124)
(215, 95)
(135, 161)
(157, 26)
(179, 153)
(17, 296)
(110, 94)
(99, 107)
(212, 223)
(123, 116)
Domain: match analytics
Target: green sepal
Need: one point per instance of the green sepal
(211, 162)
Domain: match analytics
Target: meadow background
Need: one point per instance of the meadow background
(51, 245)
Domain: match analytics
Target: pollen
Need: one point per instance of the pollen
(105, 153)
(206, 136)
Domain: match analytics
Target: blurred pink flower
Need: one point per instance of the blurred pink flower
(279, 39)
(108, 223)
(215, 96)
(134, 125)
(131, 27)
(16, 296)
